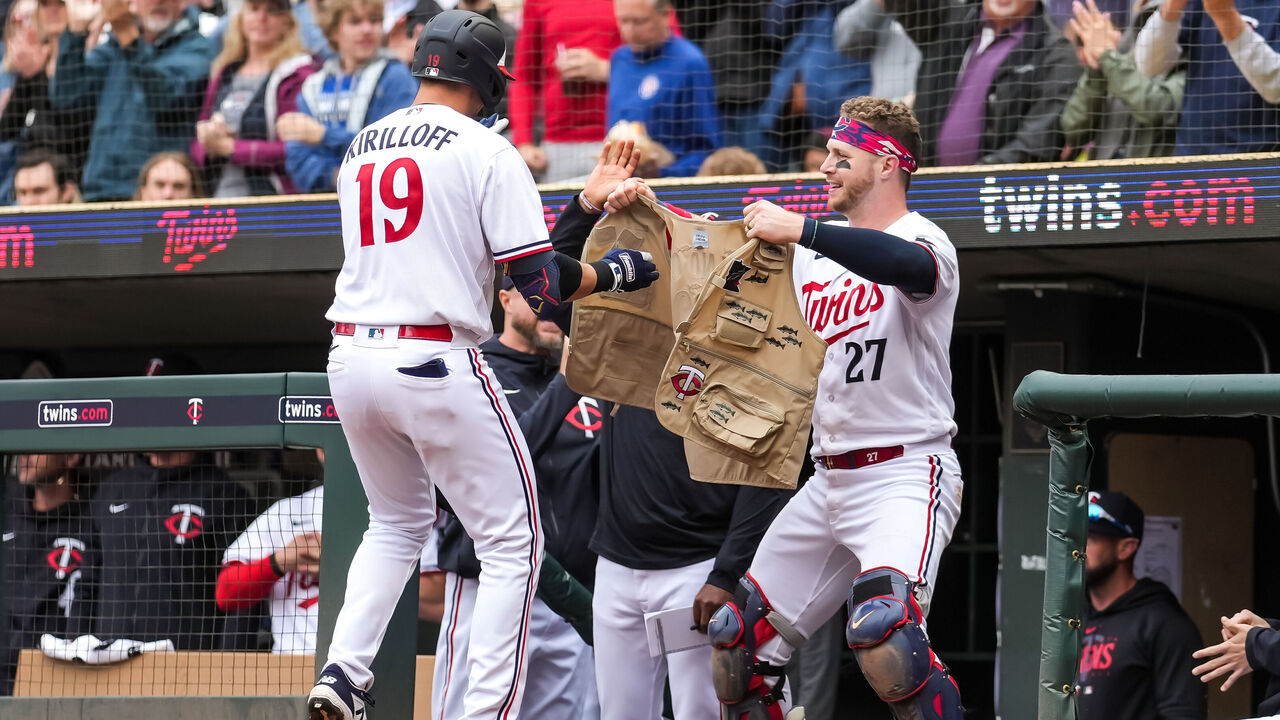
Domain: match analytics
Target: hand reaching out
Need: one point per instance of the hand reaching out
(1227, 657)
(617, 162)
(626, 193)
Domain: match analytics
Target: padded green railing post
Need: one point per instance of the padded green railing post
(1064, 404)
(1061, 634)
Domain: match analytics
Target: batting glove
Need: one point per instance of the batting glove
(631, 270)
(495, 123)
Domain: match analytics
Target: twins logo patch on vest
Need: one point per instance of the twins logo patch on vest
(622, 347)
(757, 364)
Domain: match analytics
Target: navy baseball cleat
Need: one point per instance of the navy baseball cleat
(335, 698)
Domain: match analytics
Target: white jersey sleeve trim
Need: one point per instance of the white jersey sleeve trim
(532, 248)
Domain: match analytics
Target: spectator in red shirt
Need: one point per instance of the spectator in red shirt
(562, 75)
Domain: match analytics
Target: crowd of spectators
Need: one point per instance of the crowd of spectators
(263, 96)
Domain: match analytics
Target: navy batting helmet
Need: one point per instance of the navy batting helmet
(464, 47)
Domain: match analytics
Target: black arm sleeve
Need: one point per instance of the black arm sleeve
(882, 258)
(569, 236)
(753, 510)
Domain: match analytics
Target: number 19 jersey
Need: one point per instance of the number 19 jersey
(430, 200)
(886, 378)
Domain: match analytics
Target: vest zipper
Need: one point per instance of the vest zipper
(687, 345)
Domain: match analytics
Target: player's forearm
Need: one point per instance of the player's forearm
(243, 585)
(877, 256)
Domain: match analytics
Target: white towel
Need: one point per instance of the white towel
(90, 650)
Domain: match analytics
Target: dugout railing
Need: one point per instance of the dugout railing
(1065, 404)
(213, 412)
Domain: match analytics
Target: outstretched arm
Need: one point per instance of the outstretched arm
(877, 256)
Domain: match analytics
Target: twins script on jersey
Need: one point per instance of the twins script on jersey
(415, 253)
(886, 379)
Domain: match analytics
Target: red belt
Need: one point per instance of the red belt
(408, 332)
(855, 459)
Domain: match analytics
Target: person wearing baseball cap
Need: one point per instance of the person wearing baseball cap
(1136, 661)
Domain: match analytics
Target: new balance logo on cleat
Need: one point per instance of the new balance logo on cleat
(328, 679)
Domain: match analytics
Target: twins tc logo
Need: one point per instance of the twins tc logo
(65, 557)
(586, 416)
(687, 381)
(195, 410)
(186, 522)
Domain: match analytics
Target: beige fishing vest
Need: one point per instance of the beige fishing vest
(619, 342)
(743, 375)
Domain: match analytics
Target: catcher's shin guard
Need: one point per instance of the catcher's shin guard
(893, 651)
(737, 631)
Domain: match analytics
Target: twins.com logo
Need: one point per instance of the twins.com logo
(74, 413)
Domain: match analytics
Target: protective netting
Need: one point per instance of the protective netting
(165, 573)
(263, 97)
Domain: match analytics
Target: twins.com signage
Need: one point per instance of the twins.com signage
(177, 411)
(1206, 199)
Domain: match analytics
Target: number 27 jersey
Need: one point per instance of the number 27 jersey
(430, 199)
(886, 377)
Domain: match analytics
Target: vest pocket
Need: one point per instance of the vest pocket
(737, 419)
(741, 323)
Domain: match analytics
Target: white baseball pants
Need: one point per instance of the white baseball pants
(898, 514)
(562, 676)
(409, 435)
(631, 681)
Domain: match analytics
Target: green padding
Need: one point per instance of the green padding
(1060, 400)
(1064, 403)
(566, 597)
(1069, 459)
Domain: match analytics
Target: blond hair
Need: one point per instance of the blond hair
(731, 160)
(331, 12)
(235, 49)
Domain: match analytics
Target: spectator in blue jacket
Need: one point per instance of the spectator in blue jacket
(1233, 76)
(665, 82)
(144, 85)
(359, 86)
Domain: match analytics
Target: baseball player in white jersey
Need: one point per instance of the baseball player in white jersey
(277, 557)
(871, 524)
(430, 200)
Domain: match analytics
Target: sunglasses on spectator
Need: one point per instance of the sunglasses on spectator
(1097, 513)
